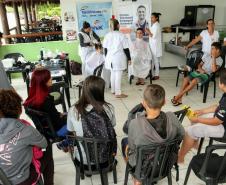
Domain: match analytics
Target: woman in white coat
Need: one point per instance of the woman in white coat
(155, 43)
(116, 48)
(87, 39)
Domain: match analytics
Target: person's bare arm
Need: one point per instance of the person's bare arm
(208, 121)
(193, 42)
(214, 65)
(207, 110)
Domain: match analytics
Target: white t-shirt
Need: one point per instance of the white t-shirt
(207, 60)
(208, 39)
(225, 39)
(74, 123)
(156, 40)
(115, 42)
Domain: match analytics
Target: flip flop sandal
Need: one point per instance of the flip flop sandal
(177, 104)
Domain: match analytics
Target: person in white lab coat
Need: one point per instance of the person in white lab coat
(141, 57)
(87, 39)
(155, 43)
(116, 48)
(94, 60)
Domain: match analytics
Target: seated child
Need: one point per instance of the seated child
(152, 127)
(94, 60)
(141, 57)
(93, 117)
(212, 125)
(20, 143)
(208, 65)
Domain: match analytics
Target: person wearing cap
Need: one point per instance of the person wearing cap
(87, 39)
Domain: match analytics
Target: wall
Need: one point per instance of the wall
(31, 51)
(173, 10)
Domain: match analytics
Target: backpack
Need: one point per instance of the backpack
(99, 126)
(76, 68)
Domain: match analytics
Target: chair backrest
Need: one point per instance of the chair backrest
(3, 178)
(94, 166)
(181, 114)
(42, 123)
(98, 70)
(194, 58)
(14, 56)
(58, 87)
(154, 162)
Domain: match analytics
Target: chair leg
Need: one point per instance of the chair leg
(187, 174)
(200, 145)
(210, 142)
(64, 106)
(79, 91)
(178, 73)
(169, 178)
(78, 174)
(206, 87)
(130, 79)
(114, 174)
(104, 178)
(214, 89)
(126, 175)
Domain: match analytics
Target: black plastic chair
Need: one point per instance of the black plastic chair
(192, 60)
(57, 91)
(43, 124)
(97, 72)
(4, 179)
(154, 162)
(209, 166)
(93, 167)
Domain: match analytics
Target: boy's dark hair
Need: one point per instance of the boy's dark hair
(1, 35)
(217, 45)
(223, 76)
(209, 20)
(98, 46)
(85, 25)
(154, 96)
(10, 106)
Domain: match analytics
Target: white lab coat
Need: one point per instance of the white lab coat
(156, 40)
(93, 61)
(115, 59)
(141, 58)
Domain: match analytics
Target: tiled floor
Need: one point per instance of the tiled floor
(64, 170)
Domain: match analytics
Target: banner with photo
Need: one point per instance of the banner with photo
(138, 16)
(97, 14)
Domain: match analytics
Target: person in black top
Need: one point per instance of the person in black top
(213, 126)
(40, 99)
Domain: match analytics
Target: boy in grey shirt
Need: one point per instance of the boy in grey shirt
(154, 127)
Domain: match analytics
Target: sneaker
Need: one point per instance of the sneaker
(155, 78)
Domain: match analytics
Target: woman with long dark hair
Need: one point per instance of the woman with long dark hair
(91, 109)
